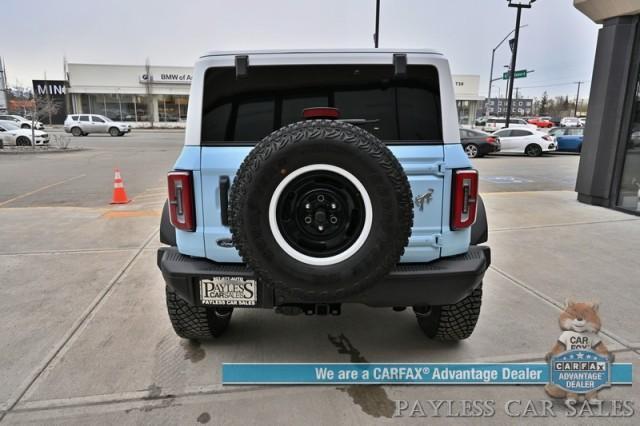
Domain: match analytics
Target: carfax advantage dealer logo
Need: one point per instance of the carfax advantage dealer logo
(580, 371)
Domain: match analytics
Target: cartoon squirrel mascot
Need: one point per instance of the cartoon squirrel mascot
(580, 325)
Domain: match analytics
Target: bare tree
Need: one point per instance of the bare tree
(42, 107)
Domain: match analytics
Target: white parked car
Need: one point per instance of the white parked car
(570, 122)
(83, 124)
(21, 121)
(494, 124)
(530, 142)
(13, 135)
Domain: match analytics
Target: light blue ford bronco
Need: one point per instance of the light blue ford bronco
(310, 180)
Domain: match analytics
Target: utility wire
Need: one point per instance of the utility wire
(570, 83)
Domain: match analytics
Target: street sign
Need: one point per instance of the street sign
(517, 74)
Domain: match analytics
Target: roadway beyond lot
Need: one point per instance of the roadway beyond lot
(86, 339)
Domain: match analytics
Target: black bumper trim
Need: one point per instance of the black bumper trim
(441, 282)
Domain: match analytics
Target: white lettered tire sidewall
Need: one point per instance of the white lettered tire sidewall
(320, 261)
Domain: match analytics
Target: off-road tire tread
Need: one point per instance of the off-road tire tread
(194, 322)
(325, 130)
(453, 322)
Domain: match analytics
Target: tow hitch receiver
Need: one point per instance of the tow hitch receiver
(309, 309)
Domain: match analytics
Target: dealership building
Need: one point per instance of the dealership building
(133, 93)
(160, 94)
(609, 171)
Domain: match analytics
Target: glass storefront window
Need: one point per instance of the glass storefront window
(143, 108)
(123, 107)
(112, 107)
(135, 107)
(182, 102)
(127, 108)
(463, 112)
(84, 103)
(629, 191)
(167, 108)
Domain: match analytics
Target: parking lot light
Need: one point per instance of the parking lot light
(519, 4)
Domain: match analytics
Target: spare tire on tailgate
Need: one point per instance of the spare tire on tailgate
(320, 210)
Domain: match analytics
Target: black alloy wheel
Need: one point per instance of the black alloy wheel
(320, 213)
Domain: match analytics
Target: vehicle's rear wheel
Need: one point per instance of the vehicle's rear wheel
(114, 131)
(23, 141)
(451, 322)
(533, 150)
(76, 131)
(471, 150)
(196, 322)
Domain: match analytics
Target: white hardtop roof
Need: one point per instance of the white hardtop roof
(384, 51)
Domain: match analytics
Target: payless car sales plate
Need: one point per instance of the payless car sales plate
(228, 291)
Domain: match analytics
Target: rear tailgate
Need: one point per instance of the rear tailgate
(422, 164)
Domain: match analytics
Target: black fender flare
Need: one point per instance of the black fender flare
(167, 231)
(480, 229)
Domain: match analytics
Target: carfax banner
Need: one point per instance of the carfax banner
(425, 374)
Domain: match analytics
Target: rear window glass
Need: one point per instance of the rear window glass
(393, 109)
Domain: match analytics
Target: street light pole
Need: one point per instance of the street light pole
(491, 79)
(376, 35)
(519, 4)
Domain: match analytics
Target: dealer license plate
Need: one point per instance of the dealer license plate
(235, 291)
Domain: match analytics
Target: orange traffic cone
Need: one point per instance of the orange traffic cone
(119, 194)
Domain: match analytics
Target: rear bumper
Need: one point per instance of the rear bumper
(441, 282)
(485, 149)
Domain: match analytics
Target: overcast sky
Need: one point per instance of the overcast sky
(559, 42)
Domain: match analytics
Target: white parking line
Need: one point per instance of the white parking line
(35, 191)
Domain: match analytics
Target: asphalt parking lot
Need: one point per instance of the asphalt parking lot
(86, 339)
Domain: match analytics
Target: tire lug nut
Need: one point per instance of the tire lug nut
(333, 220)
(320, 198)
(320, 228)
(307, 220)
(307, 206)
(333, 206)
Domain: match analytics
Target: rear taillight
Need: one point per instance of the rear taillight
(181, 205)
(465, 199)
(491, 140)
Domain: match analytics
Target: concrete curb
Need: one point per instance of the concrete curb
(29, 150)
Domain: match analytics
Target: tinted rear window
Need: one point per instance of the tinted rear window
(393, 109)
